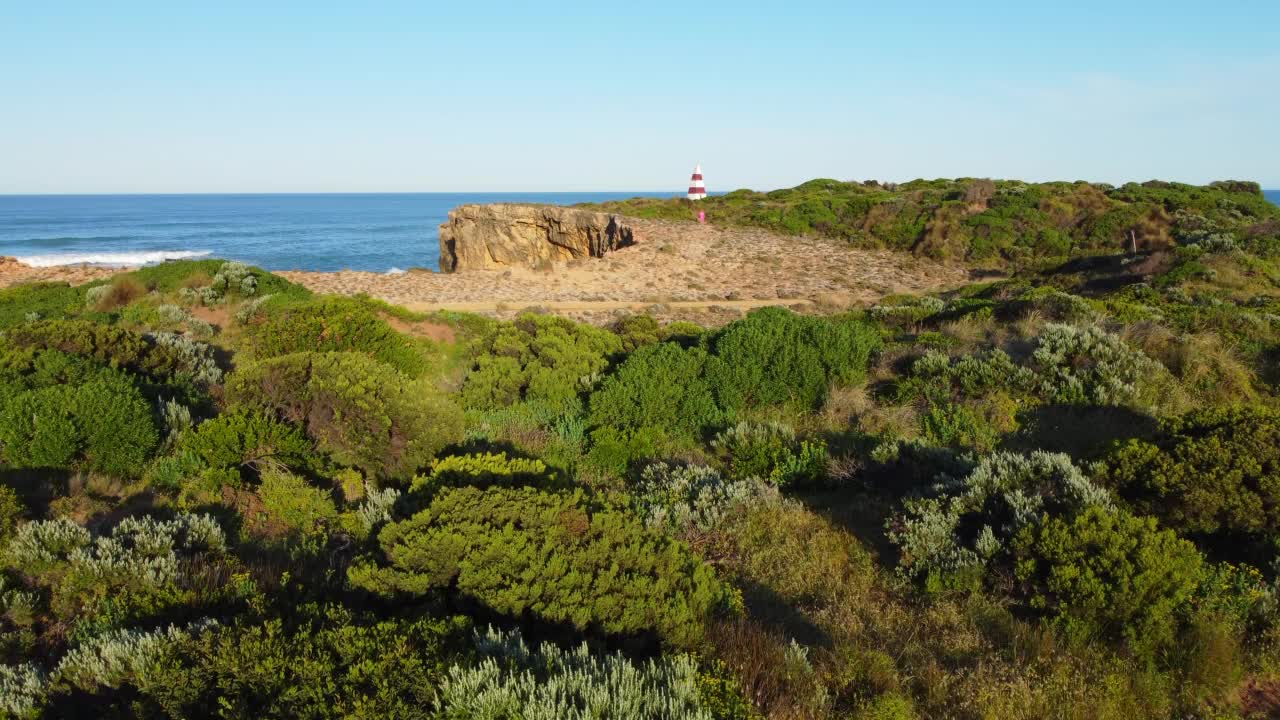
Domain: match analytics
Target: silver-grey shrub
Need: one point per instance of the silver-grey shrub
(196, 357)
(177, 419)
(118, 656)
(41, 544)
(234, 278)
(1092, 366)
(22, 690)
(143, 550)
(1005, 493)
(206, 296)
(677, 499)
(548, 683)
(250, 308)
(377, 506)
(95, 295)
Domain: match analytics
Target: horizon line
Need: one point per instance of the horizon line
(343, 192)
(679, 192)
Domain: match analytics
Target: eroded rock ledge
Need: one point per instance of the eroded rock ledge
(478, 237)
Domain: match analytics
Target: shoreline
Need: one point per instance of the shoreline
(676, 269)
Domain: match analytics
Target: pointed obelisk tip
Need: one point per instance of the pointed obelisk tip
(697, 189)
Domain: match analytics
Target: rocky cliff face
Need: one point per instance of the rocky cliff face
(502, 236)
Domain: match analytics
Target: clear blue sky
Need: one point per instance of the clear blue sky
(418, 96)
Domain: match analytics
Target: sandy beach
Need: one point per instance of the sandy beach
(676, 270)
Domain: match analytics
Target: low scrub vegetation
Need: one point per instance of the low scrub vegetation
(1053, 495)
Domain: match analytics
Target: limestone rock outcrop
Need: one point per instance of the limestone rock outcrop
(478, 237)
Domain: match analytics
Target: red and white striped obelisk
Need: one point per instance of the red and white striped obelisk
(697, 190)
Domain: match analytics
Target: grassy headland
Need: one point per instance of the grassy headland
(989, 222)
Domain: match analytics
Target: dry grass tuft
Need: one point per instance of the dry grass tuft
(123, 291)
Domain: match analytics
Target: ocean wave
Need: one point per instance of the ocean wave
(111, 259)
(396, 271)
(65, 240)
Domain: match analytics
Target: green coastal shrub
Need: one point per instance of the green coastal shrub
(295, 503)
(330, 664)
(106, 344)
(615, 451)
(597, 569)
(12, 510)
(964, 525)
(164, 356)
(366, 414)
(23, 304)
(662, 387)
(245, 440)
(1108, 573)
(332, 324)
(103, 424)
(775, 357)
(548, 683)
(541, 359)
(636, 331)
(38, 429)
(1211, 472)
(116, 424)
(484, 470)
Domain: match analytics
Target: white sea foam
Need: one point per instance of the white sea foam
(110, 259)
(396, 271)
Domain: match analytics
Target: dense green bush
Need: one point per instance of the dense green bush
(597, 569)
(332, 664)
(964, 525)
(661, 387)
(1106, 572)
(332, 324)
(364, 413)
(774, 357)
(636, 331)
(295, 503)
(243, 440)
(38, 301)
(164, 356)
(538, 358)
(484, 470)
(12, 511)
(103, 423)
(1211, 472)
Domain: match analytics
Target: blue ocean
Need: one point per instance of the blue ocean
(377, 232)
